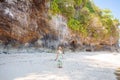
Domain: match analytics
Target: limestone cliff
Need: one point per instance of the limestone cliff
(28, 21)
(22, 20)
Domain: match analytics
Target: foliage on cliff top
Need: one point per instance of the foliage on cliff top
(88, 19)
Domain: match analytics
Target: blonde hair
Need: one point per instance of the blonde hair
(59, 48)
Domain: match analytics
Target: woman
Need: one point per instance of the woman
(59, 56)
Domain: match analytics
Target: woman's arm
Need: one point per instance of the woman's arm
(56, 56)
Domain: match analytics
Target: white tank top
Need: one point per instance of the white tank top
(60, 51)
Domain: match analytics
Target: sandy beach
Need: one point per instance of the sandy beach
(76, 66)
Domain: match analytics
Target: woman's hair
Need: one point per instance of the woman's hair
(59, 47)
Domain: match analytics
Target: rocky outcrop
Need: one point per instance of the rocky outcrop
(117, 73)
(22, 20)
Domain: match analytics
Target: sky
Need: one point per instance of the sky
(113, 5)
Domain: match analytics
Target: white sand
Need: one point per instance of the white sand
(77, 66)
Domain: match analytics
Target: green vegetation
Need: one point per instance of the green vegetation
(86, 18)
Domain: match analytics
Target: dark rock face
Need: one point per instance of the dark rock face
(22, 20)
(26, 21)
